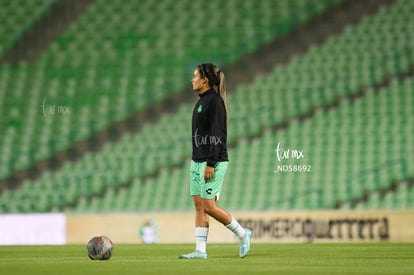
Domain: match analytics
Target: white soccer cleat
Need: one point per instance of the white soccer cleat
(245, 244)
(194, 255)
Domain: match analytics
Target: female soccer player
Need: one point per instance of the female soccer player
(209, 159)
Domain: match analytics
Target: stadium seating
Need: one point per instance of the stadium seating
(120, 57)
(337, 173)
(402, 198)
(16, 17)
(351, 147)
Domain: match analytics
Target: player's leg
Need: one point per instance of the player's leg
(210, 208)
(221, 215)
(202, 222)
(209, 196)
(201, 218)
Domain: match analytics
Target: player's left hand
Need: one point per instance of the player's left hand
(208, 173)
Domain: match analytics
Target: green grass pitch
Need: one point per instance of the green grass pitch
(379, 258)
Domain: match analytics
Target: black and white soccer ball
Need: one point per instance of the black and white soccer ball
(100, 248)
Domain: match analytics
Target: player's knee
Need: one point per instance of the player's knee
(209, 209)
(198, 202)
(199, 206)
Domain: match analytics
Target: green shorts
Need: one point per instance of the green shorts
(211, 188)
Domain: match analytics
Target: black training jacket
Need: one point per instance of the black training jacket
(209, 129)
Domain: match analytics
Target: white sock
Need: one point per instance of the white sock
(236, 228)
(201, 234)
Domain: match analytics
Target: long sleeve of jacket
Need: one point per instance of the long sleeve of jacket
(209, 129)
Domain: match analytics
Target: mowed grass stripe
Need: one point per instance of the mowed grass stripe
(378, 258)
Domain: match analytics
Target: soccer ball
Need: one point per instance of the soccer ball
(100, 248)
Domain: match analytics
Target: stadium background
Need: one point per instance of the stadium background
(96, 102)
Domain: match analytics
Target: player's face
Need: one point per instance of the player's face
(199, 82)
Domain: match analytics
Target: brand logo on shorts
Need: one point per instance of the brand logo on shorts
(208, 191)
